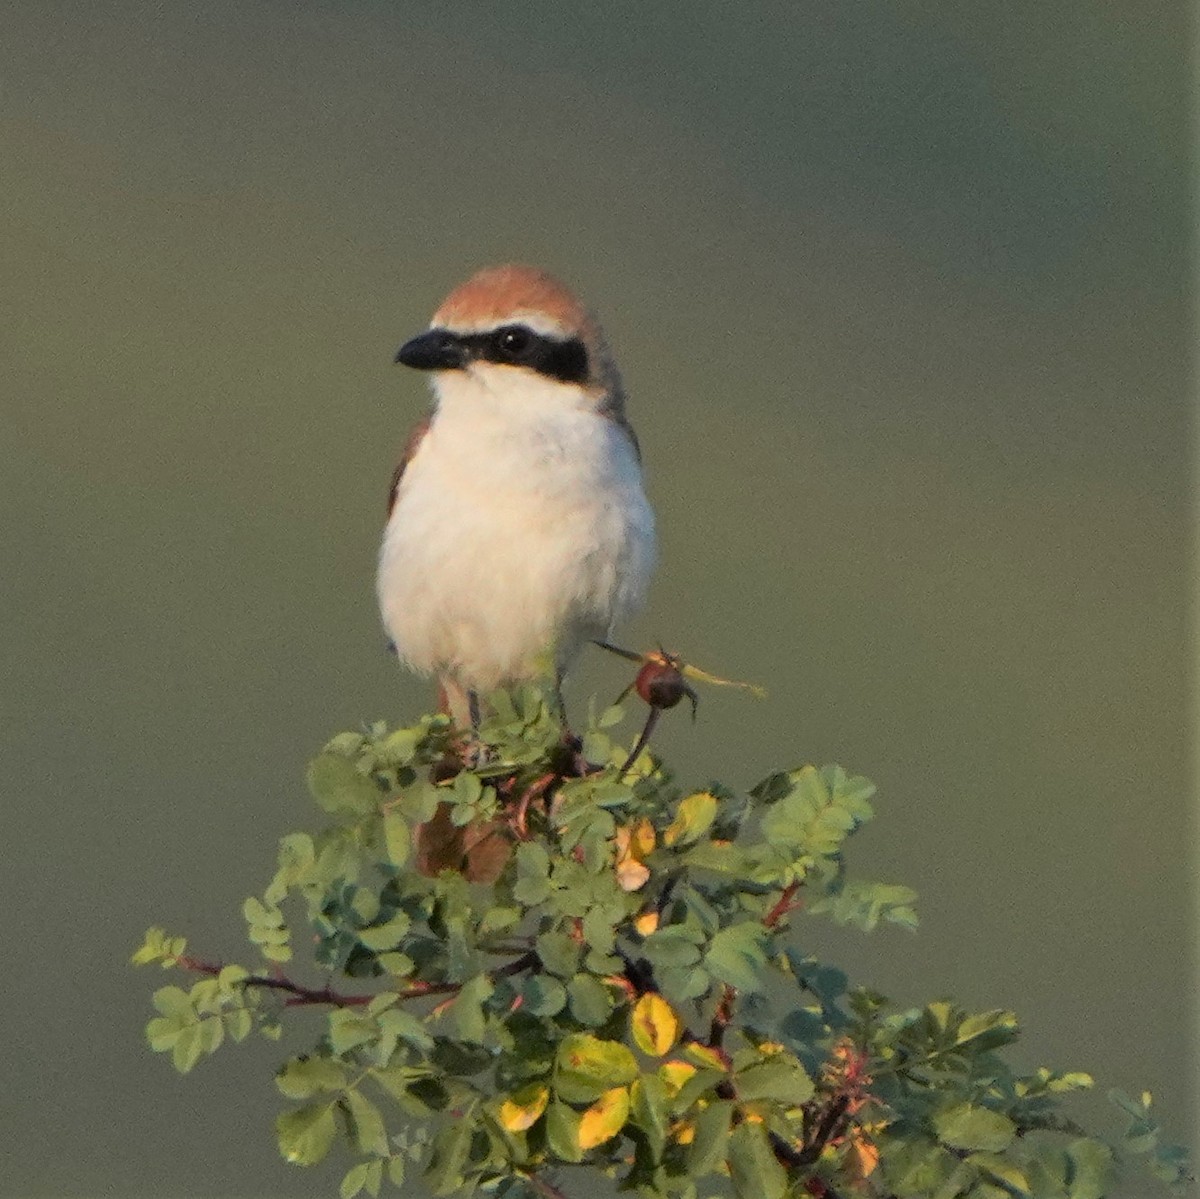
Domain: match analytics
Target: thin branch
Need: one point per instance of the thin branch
(640, 743)
(721, 1017)
(535, 790)
(544, 1188)
(783, 906)
(299, 995)
(302, 996)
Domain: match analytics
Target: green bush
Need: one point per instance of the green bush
(552, 960)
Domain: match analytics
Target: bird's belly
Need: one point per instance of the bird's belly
(494, 586)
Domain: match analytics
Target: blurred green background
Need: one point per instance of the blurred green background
(900, 292)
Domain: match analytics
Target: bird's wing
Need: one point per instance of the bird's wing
(410, 448)
(620, 421)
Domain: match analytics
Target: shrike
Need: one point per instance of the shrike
(518, 528)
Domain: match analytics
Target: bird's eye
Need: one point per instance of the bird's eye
(514, 341)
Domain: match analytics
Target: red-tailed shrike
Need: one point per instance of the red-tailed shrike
(518, 527)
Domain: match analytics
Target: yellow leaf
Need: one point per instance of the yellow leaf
(863, 1156)
(684, 1132)
(523, 1108)
(643, 838)
(692, 817)
(712, 1059)
(703, 676)
(654, 1025)
(646, 922)
(674, 1075)
(632, 874)
(604, 1119)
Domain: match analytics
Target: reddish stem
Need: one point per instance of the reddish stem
(640, 743)
(783, 906)
(721, 1017)
(298, 995)
(301, 996)
(535, 790)
(547, 1189)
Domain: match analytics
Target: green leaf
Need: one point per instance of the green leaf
(239, 1024)
(173, 1001)
(369, 1133)
(988, 1030)
(158, 947)
(1003, 1170)
(397, 1024)
(419, 801)
(302, 1078)
(544, 995)
(558, 953)
(466, 1012)
(865, 905)
(163, 1032)
(651, 1111)
(188, 1048)
(400, 747)
(396, 837)
(348, 1029)
(591, 1001)
(1091, 1165)
(562, 1132)
(779, 1078)
(756, 1171)
(395, 1170)
(692, 819)
(586, 1067)
(338, 786)
(851, 792)
(685, 984)
(710, 1139)
(388, 935)
(672, 947)
(737, 955)
(967, 1126)
(451, 1146)
(533, 874)
(306, 1133)
(353, 1181)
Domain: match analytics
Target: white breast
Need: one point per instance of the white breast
(520, 530)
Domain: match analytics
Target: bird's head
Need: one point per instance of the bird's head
(513, 332)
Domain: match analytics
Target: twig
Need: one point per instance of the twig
(721, 1017)
(640, 744)
(535, 790)
(783, 906)
(832, 1126)
(301, 996)
(547, 1189)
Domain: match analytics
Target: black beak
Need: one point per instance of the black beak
(437, 350)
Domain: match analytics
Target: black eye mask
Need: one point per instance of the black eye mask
(510, 345)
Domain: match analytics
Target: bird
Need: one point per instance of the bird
(518, 526)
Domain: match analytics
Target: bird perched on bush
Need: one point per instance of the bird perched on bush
(518, 528)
